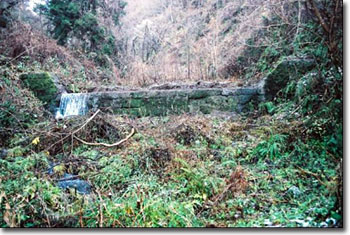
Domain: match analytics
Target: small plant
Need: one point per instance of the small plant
(272, 148)
(268, 107)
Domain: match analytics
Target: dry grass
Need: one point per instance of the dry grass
(21, 44)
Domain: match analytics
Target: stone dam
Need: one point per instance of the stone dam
(201, 97)
(162, 102)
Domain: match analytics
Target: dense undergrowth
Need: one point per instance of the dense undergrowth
(187, 171)
(281, 164)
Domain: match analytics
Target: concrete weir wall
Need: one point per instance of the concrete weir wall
(174, 101)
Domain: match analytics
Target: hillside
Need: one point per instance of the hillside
(171, 113)
(173, 40)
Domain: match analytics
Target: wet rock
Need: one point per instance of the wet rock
(70, 181)
(50, 171)
(3, 153)
(294, 191)
(59, 85)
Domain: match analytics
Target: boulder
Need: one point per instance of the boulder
(285, 70)
(69, 182)
(3, 153)
(59, 85)
(42, 85)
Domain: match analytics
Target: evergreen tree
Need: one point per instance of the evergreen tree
(79, 19)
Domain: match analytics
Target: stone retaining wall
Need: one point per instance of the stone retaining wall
(165, 102)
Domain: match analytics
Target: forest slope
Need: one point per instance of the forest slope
(278, 164)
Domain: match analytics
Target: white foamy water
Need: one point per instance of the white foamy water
(73, 104)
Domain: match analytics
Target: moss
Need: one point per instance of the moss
(135, 103)
(199, 94)
(285, 70)
(205, 109)
(42, 86)
(156, 103)
(16, 152)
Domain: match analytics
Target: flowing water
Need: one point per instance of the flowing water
(73, 104)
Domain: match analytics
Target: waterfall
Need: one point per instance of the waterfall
(73, 104)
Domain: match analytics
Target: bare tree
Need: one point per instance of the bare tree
(330, 16)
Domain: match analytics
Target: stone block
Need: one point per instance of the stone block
(167, 102)
(42, 86)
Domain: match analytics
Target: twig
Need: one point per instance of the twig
(107, 145)
(14, 116)
(299, 21)
(221, 195)
(71, 145)
(74, 132)
(313, 174)
(100, 209)
(217, 198)
(27, 50)
(87, 121)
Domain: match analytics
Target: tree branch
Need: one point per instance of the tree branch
(107, 145)
(74, 132)
(319, 16)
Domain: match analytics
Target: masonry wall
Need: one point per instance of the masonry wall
(166, 102)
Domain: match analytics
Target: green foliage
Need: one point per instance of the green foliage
(118, 14)
(114, 173)
(197, 180)
(19, 109)
(291, 156)
(272, 148)
(7, 111)
(26, 185)
(42, 85)
(80, 20)
(62, 14)
(268, 107)
(17, 151)
(288, 180)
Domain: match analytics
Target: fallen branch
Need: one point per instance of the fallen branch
(306, 172)
(87, 121)
(216, 198)
(107, 145)
(74, 132)
(236, 182)
(223, 194)
(77, 130)
(315, 9)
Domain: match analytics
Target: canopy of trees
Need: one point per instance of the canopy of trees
(79, 21)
